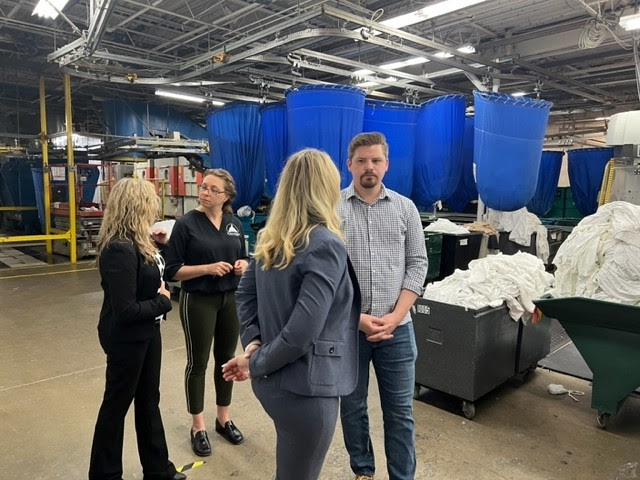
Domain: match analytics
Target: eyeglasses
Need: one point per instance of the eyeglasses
(212, 191)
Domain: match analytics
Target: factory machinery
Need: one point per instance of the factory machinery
(621, 179)
(174, 165)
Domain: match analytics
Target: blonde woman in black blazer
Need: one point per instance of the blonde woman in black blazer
(135, 302)
(299, 307)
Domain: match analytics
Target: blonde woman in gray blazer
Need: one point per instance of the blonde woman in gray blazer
(299, 307)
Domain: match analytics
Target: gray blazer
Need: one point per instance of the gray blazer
(306, 317)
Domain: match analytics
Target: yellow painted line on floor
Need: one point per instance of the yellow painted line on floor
(26, 275)
(190, 466)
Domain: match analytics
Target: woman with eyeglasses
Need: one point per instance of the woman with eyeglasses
(206, 252)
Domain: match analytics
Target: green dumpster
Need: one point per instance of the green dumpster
(607, 335)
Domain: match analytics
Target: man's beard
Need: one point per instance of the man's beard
(367, 181)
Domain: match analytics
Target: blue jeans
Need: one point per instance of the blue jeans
(394, 363)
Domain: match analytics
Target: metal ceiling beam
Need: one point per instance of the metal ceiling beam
(12, 12)
(347, 73)
(291, 79)
(571, 81)
(166, 12)
(476, 82)
(133, 17)
(336, 13)
(303, 17)
(98, 25)
(66, 50)
(360, 65)
(206, 28)
(537, 33)
(130, 60)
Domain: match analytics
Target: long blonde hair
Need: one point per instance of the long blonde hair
(307, 196)
(131, 209)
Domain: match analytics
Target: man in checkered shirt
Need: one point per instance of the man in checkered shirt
(386, 245)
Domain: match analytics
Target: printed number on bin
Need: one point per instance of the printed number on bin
(424, 309)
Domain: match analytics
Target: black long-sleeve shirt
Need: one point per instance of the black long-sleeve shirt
(196, 241)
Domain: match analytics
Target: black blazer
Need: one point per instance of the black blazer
(131, 299)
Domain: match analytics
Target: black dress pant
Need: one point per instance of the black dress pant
(133, 375)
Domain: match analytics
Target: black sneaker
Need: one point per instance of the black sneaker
(230, 432)
(200, 443)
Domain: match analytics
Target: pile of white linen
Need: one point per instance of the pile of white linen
(521, 224)
(516, 279)
(601, 257)
(443, 225)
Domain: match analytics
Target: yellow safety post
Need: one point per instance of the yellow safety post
(45, 165)
(71, 168)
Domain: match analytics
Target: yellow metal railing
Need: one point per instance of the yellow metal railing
(48, 236)
(17, 209)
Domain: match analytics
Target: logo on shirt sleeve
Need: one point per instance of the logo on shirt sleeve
(232, 230)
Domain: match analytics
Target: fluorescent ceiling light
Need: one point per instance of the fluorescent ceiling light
(199, 83)
(393, 65)
(371, 83)
(463, 49)
(426, 13)
(180, 96)
(603, 118)
(518, 94)
(367, 84)
(187, 97)
(45, 8)
(404, 63)
(630, 22)
(467, 49)
(363, 71)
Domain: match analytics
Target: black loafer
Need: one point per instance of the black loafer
(179, 476)
(200, 443)
(230, 432)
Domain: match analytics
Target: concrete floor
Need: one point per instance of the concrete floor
(52, 378)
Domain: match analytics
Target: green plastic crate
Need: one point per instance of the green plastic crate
(563, 205)
(433, 242)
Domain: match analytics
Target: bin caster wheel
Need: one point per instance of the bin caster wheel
(603, 419)
(416, 391)
(469, 409)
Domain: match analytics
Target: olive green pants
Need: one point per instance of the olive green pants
(208, 318)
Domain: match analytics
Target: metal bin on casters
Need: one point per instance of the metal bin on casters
(534, 343)
(607, 335)
(465, 353)
(509, 247)
(458, 251)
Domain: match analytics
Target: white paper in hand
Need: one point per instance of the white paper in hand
(166, 225)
